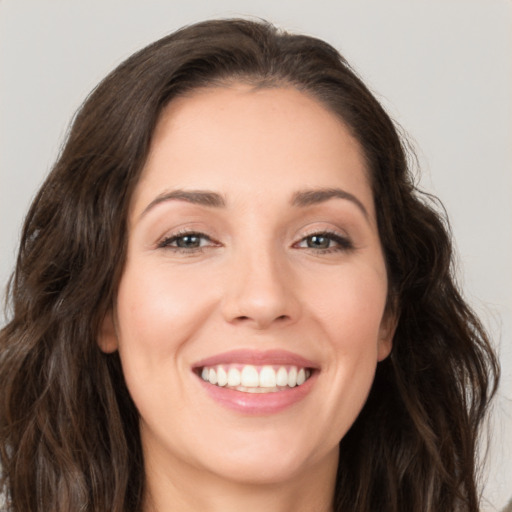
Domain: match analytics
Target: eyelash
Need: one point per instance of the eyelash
(166, 242)
(343, 243)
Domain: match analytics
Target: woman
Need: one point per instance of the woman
(230, 295)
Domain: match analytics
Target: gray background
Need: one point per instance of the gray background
(443, 69)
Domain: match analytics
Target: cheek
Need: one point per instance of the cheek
(157, 315)
(156, 311)
(350, 304)
(349, 307)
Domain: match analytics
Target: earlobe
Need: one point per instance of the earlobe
(384, 350)
(386, 334)
(107, 337)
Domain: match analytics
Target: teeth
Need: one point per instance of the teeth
(253, 379)
(249, 377)
(282, 377)
(222, 376)
(267, 377)
(233, 377)
(212, 376)
(292, 377)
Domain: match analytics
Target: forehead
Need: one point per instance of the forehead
(246, 140)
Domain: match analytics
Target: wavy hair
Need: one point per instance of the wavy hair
(69, 435)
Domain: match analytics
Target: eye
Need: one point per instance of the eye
(325, 242)
(189, 241)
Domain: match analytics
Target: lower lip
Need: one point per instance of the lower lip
(258, 403)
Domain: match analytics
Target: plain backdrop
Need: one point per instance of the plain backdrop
(443, 70)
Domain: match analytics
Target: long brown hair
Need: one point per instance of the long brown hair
(69, 436)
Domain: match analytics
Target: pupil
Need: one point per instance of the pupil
(317, 241)
(188, 241)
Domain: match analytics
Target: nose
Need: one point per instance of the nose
(260, 292)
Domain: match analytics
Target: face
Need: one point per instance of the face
(250, 316)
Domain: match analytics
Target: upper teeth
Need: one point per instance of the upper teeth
(249, 377)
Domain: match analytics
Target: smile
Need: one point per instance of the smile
(253, 382)
(255, 379)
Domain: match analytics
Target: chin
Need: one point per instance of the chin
(268, 470)
(267, 460)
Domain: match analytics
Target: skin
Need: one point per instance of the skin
(256, 283)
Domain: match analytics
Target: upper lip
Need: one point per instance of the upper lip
(257, 358)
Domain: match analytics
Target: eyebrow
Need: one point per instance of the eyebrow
(200, 197)
(302, 198)
(311, 197)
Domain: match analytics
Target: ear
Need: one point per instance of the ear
(386, 333)
(107, 337)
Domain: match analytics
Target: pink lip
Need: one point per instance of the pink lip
(257, 358)
(258, 403)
